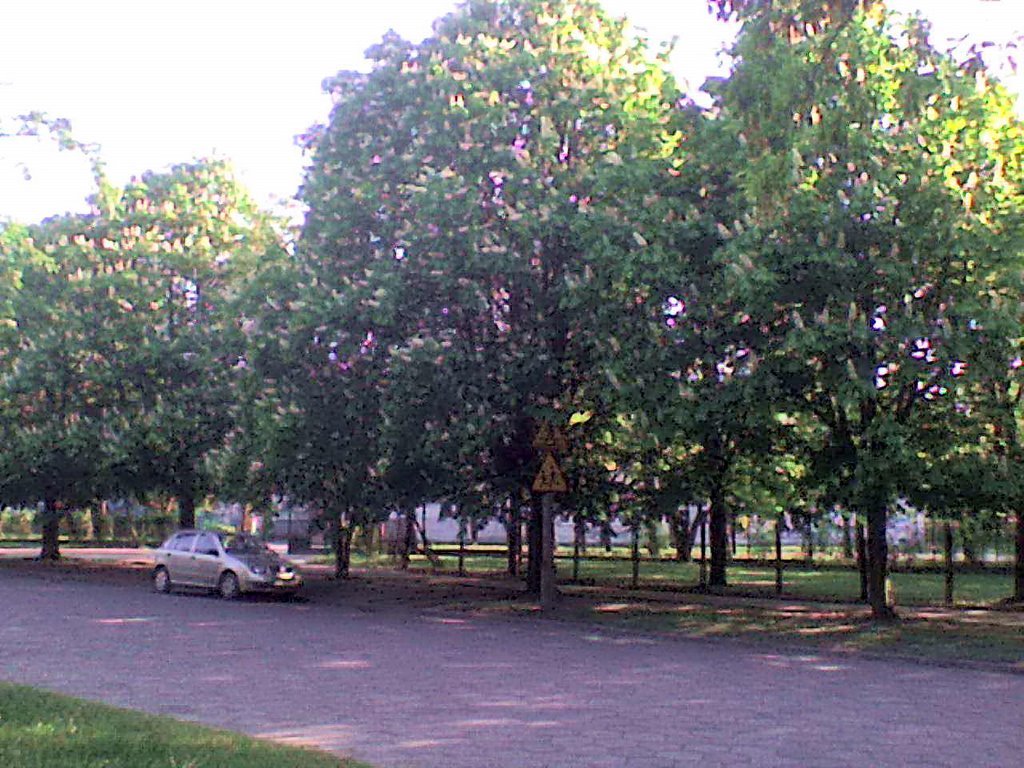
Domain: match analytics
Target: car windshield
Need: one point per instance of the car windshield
(242, 544)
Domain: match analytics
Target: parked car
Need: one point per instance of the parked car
(231, 564)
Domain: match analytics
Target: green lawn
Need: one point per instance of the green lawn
(924, 588)
(45, 730)
(797, 621)
(813, 628)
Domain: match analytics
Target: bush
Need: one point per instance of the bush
(157, 527)
(102, 524)
(76, 525)
(16, 523)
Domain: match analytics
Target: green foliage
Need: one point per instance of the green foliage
(16, 523)
(447, 200)
(117, 378)
(881, 186)
(192, 241)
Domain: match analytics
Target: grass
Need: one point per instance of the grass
(47, 730)
(820, 611)
(833, 629)
(801, 583)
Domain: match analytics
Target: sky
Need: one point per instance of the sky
(166, 81)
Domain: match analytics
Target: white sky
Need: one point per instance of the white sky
(166, 81)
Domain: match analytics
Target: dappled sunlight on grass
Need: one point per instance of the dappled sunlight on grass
(613, 607)
(807, 612)
(833, 629)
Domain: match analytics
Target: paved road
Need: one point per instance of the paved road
(398, 687)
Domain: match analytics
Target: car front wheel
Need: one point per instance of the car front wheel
(161, 580)
(228, 586)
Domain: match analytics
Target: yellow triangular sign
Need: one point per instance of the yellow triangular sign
(549, 438)
(550, 478)
(542, 440)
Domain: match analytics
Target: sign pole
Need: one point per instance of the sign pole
(548, 586)
(549, 481)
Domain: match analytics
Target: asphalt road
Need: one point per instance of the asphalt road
(399, 686)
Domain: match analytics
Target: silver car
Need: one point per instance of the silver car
(228, 563)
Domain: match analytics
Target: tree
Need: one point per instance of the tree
(17, 250)
(58, 130)
(446, 195)
(55, 384)
(188, 241)
(118, 379)
(687, 356)
(880, 178)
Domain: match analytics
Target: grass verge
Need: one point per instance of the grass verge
(980, 638)
(819, 612)
(800, 583)
(46, 730)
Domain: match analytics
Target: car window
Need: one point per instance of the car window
(207, 545)
(184, 542)
(243, 545)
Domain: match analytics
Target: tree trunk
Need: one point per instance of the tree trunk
(809, 539)
(779, 522)
(878, 563)
(373, 539)
(948, 547)
(719, 519)
(343, 551)
(534, 542)
(100, 518)
(186, 509)
(408, 538)
(732, 535)
(848, 525)
(704, 554)
(1018, 568)
(862, 560)
(428, 553)
(967, 543)
(682, 535)
(513, 529)
(51, 531)
(548, 575)
(462, 545)
(636, 557)
(579, 545)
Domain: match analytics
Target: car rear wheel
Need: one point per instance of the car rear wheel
(161, 580)
(228, 586)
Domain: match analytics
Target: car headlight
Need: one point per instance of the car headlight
(259, 570)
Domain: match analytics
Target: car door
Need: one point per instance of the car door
(179, 559)
(206, 559)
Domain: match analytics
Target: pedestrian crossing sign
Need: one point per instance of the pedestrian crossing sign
(550, 438)
(550, 479)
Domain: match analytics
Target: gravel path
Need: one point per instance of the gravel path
(399, 687)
